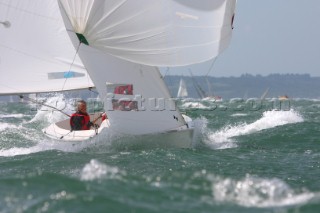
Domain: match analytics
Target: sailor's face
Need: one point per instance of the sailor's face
(83, 107)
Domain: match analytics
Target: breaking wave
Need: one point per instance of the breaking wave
(223, 138)
(258, 192)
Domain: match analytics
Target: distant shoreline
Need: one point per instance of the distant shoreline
(292, 85)
(245, 86)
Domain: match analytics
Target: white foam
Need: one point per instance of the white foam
(46, 146)
(97, 170)
(20, 151)
(4, 126)
(257, 192)
(194, 105)
(307, 99)
(51, 115)
(269, 119)
(12, 116)
(100, 143)
(239, 115)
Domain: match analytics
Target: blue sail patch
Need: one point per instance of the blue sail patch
(65, 75)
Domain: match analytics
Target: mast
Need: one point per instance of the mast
(202, 94)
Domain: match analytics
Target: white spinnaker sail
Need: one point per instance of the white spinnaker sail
(156, 33)
(182, 92)
(36, 52)
(145, 34)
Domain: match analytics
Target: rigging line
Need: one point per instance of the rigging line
(169, 79)
(65, 134)
(206, 76)
(167, 71)
(74, 58)
(43, 104)
(95, 92)
(211, 66)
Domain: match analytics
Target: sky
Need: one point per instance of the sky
(269, 36)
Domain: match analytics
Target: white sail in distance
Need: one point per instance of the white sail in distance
(182, 92)
(36, 53)
(123, 43)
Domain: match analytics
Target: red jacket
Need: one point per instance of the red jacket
(80, 121)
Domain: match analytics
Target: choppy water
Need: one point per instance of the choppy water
(244, 159)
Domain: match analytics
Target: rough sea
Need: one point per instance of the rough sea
(246, 157)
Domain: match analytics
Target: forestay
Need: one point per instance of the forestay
(36, 53)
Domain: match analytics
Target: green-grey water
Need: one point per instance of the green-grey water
(244, 159)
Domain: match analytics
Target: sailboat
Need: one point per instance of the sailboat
(125, 42)
(182, 91)
(202, 94)
(283, 97)
(122, 44)
(211, 97)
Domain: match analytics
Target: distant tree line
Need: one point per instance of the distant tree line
(248, 86)
(245, 86)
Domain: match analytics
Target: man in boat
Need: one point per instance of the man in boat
(80, 120)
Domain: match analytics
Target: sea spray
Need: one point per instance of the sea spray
(52, 115)
(224, 138)
(97, 170)
(259, 192)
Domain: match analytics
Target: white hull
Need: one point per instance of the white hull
(172, 139)
(62, 131)
(181, 137)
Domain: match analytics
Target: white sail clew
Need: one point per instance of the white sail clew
(123, 42)
(35, 50)
(182, 92)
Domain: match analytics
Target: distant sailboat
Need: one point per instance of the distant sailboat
(182, 92)
(211, 96)
(283, 97)
(202, 94)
